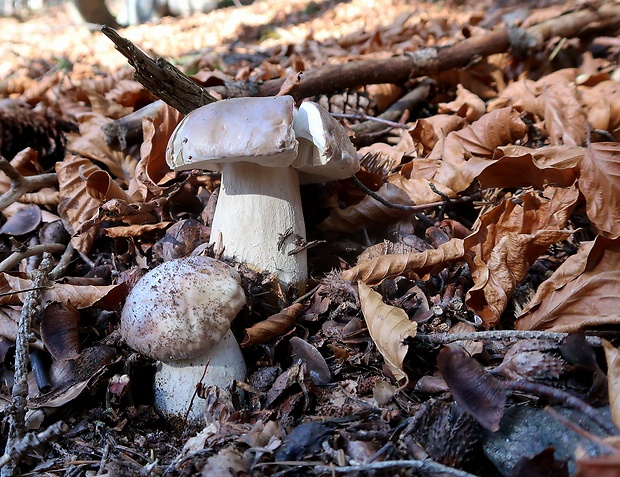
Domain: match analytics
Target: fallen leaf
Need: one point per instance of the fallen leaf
(510, 237)
(274, 326)
(416, 266)
(60, 331)
(599, 182)
(583, 292)
(388, 327)
(472, 387)
(466, 105)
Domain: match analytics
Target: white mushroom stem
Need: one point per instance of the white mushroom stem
(259, 215)
(176, 381)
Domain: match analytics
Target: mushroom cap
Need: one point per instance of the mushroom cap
(258, 130)
(325, 151)
(182, 308)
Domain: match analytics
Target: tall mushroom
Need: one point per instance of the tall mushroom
(262, 146)
(180, 313)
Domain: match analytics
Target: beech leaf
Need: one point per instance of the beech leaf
(388, 327)
(274, 326)
(472, 387)
(416, 266)
(600, 184)
(583, 292)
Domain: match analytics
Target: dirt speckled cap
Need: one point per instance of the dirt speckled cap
(181, 308)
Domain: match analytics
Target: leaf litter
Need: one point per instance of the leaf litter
(482, 228)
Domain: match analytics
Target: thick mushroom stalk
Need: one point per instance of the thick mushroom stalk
(254, 143)
(179, 313)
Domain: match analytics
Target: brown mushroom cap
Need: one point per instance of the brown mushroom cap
(181, 308)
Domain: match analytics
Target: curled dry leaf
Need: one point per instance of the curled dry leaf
(91, 144)
(472, 387)
(429, 131)
(510, 237)
(612, 356)
(388, 327)
(152, 168)
(600, 184)
(274, 326)
(9, 318)
(416, 266)
(466, 105)
(60, 331)
(80, 296)
(603, 101)
(584, 291)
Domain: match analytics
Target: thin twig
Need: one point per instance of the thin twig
(13, 260)
(17, 413)
(411, 208)
(64, 262)
(421, 465)
(500, 335)
(563, 397)
(21, 185)
(366, 117)
(32, 441)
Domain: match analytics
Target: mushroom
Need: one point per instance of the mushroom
(263, 147)
(179, 313)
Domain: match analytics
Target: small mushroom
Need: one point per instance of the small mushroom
(180, 313)
(263, 148)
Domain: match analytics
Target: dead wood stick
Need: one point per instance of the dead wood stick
(127, 130)
(164, 80)
(161, 77)
(21, 185)
(33, 441)
(13, 260)
(19, 392)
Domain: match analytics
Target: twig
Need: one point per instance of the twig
(21, 185)
(13, 260)
(421, 465)
(580, 430)
(397, 69)
(64, 262)
(160, 77)
(563, 397)
(32, 441)
(366, 117)
(499, 335)
(411, 208)
(19, 392)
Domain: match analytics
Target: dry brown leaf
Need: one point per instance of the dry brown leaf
(603, 104)
(520, 95)
(564, 116)
(429, 131)
(76, 204)
(583, 292)
(91, 143)
(599, 182)
(388, 327)
(472, 387)
(134, 230)
(517, 166)
(466, 105)
(107, 297)
(60, 331)
(612, 356)
(497, 128)
(416, 266)
(274, 326)
(152, 168)
(509, 239)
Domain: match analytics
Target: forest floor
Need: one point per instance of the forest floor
(460, 315)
